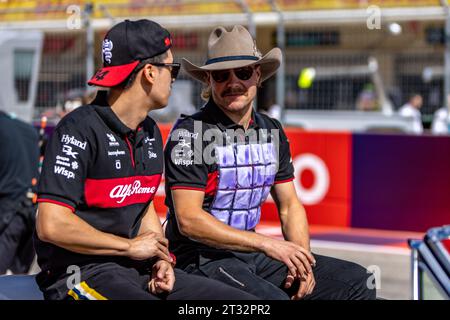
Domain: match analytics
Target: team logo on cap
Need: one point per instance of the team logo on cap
(106, 50)
(167, 42)
(100, 75)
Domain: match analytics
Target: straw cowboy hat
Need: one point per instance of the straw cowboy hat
(233, 49)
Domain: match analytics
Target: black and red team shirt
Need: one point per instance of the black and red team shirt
(106, 173)
(181, 172)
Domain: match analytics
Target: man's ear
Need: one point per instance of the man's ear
(148, 73)
(258, 74)
(208, 78)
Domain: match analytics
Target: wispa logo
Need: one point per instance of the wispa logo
(121, 192)
(64, 172)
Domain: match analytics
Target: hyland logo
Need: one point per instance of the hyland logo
(64, 172)
(152, 155)
(71, 140)
(68, 150)
(186, 134)
(112, 140)
(121, 192)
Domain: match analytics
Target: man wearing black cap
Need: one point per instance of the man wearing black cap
(97, 233)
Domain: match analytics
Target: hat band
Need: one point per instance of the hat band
(231, 58)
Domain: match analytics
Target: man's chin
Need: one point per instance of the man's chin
(160, 106)
(236, 103)
(235, 107)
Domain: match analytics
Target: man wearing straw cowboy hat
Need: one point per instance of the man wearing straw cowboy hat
(221, 165)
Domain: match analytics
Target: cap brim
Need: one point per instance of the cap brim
(112, 76)
(269, 65)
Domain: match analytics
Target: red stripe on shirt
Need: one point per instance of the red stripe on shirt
(131, 151)
(283, 181)
(187, 188)
(211, 184)
(120, 192)
(56, 202)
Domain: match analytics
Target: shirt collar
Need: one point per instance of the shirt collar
(107, 114)
(223, 121)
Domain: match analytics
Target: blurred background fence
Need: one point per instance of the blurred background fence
(339, 55)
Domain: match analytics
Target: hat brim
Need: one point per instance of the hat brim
(268, 64)
(112, 76)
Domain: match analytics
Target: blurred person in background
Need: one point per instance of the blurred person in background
(179, 103)
(441, 119)
(367, 99)
(68, 102)
(73, 99)
(412, 110)
(19, 158)
(271, 109)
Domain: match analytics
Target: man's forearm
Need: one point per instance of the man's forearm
(93, 243)
(294, 225)
(294, 222)
(205, 228)
(212, 232)
(70, 232)
(150, 221)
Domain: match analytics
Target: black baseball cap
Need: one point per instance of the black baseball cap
(125, 45)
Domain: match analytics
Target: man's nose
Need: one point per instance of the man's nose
(233, 78)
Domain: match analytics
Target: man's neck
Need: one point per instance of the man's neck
(242, 117)
(129, 107)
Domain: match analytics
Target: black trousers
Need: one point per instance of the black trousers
(264, 277)
(16, 230)
(111, 281)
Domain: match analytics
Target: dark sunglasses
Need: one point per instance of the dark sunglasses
(173, 67)
(244, 73)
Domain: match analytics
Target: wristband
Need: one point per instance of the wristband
(174, 259)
